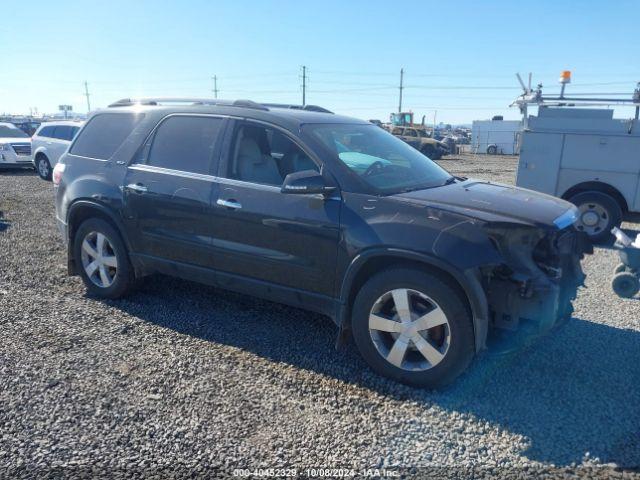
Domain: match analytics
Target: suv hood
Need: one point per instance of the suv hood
(492, 202)
(15, 140)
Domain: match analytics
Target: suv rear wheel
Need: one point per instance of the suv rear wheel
(43, 167)
(598, 214)
(413, 327)
(102, 260)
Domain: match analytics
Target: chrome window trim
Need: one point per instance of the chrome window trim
(141, 167)
(244, 183)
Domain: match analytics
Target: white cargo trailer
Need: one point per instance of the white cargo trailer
(496, 136)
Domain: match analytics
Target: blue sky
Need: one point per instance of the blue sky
(459, 57)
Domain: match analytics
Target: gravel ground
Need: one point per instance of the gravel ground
(184, 379)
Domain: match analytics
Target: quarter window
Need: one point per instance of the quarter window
(62, 132)
(46, 132)
(185, 143)
(104, 134)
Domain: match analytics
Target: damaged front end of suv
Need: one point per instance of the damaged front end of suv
(518, 250)
(539, 276)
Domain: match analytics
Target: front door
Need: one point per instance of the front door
(261, 233)
(168, 191)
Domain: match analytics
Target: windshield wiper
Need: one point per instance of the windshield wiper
(449, 181)
(417, 187)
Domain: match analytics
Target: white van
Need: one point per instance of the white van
(587, 157)
(49, 142)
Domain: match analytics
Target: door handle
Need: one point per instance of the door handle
(137, 187)
(232, 204)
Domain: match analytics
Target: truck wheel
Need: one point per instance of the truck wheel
(492, 150)
(598, 214)
(436, 155)
(413, 327)
(625, 284)
(429, 151)
(102, 259)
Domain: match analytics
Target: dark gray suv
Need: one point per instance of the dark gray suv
(323, 212)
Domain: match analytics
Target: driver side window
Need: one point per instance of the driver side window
(265, 156)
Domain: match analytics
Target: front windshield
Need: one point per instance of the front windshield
(11, 132)
(380, 159)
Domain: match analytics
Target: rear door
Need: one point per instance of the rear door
(169, 187)
(59, 143)
(261, 233)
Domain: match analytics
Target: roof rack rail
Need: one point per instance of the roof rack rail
(310, 108)
(127, 102)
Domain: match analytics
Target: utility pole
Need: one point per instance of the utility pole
(304, 85)
(215, 86)
(401, 88)
(86, 94)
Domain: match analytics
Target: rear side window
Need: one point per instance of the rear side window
(74, 132)
(104, 134)
(62, 132)
(185, 143)
(46, 132)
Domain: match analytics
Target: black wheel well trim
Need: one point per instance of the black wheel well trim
(104, 212)
(468, 281)
(600, 187)
(40, 155)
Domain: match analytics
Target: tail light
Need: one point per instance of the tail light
(58, 170)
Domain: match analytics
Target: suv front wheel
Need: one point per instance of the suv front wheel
(414, 327)
(101, 258)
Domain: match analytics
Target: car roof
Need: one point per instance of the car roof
(54, 123)
(285, 116)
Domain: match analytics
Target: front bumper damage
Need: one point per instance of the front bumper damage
(539, 278)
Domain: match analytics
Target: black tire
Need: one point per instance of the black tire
(612, 214)
(461, 348)
(124, 278)
(43, 167)
(625, 284)
(621, 267)
(492, 150)
(429, 151)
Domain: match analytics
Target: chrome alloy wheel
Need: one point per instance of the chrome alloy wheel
(43, 168)
(592, 218)
(409, 329)
(99, 259)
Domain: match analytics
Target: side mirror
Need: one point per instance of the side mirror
(306, 182)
